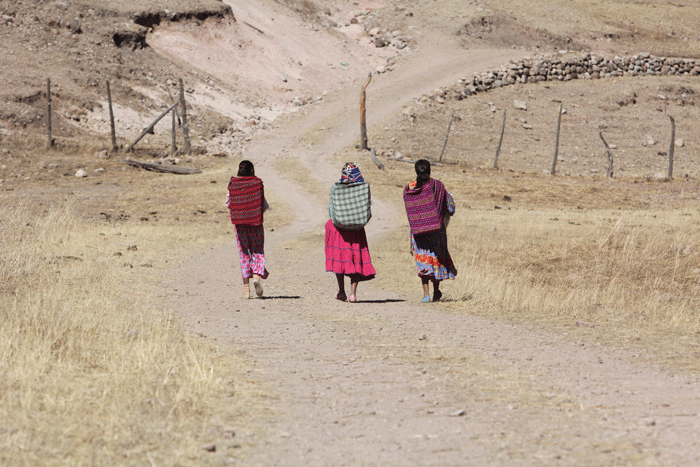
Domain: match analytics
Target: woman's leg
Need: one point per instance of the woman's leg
(426, 288)
(353, 288)
(341, 287)
(246, 287)
(437, 295)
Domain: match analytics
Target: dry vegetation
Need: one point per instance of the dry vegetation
(580, 256)
(93, 369)
(89, 372)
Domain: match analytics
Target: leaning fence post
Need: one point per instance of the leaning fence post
(150, 127)
(447, 135)
(111, 118)
(363, 121)
(500, 141)
(556, 143)
(49, 142)
(185, 127)
(376, 160)
(609, 168)
(672, 148)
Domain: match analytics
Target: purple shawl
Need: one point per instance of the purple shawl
(425, 206)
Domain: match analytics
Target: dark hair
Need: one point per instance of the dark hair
(422, 172)
(245, 169)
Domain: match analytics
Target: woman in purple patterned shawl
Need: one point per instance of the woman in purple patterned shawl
(429, 207)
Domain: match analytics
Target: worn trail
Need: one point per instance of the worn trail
(390, 382)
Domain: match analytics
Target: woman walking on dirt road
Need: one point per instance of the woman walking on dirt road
(246, 201)
(347, 253)
(429, 207)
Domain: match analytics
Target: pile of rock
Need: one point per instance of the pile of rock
(561, 68)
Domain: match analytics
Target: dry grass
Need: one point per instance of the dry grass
(566, 251)
(93, 368)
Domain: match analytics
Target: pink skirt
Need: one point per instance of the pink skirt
(347, 253)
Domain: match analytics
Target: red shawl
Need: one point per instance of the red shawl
(425, 206)
(246, 199)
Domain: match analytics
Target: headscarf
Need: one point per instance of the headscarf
(351, 174)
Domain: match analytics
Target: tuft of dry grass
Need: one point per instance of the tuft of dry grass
(92, 369)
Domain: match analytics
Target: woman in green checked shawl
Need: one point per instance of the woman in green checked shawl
(347, 253)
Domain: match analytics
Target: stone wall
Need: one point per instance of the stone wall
(586, 66)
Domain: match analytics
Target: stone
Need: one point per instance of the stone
(74, 26)
(679, 142)
(520, 105)
(380, 42)
(81, 173)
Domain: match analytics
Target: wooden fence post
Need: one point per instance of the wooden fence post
(49, 141)
(185, 127)
(173, 147)
(447, 135)
(172, 99)
(500, 141)
(363, 122)
(609, 168)
(111, 119)
(672, 148)
(556, 143)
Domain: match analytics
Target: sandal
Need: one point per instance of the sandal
(352, 299)
(341, 297)
(425, 299)
(258, 287)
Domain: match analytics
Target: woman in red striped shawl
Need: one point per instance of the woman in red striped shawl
(246, 202)
(429, 207)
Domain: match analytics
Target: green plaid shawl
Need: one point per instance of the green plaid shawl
(350, 205)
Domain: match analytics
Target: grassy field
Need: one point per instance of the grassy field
(94, 370)
(93, 367)
(579, 256)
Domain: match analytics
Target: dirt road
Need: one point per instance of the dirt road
(388, 381)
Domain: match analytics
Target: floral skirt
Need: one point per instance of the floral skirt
(432, 257)
(347, 253)
(251, 249)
